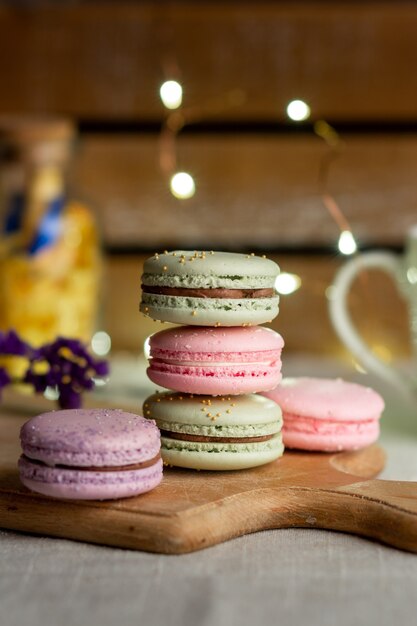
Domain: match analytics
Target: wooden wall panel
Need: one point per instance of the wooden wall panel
(303, 319)
(100, 59)
(253, 191)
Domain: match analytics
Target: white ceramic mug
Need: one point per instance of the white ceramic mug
(403, 270)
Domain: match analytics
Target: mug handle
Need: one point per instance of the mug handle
(343, 324)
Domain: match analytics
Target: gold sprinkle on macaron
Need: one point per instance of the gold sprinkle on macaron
(194, 313)
(165, 268)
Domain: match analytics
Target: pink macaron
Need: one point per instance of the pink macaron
(327, 415)
(216, 361)
(90, 454)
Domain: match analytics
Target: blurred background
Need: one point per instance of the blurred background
(292, 126)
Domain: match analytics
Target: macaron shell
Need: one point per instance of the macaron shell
(190, 341)
(325, 439)
(327, 399)
(88, 485)
(189, 269)
(90, 437)
(221, 461)
(209, 311)
(238, 380)
(214, 430)
(242, 410)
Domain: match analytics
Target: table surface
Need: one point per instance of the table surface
(287, 576)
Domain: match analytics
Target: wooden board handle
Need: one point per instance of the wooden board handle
(379, 509)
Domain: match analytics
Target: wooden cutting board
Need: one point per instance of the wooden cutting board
(193, 510)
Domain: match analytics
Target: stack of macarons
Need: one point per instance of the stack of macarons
(216, 363)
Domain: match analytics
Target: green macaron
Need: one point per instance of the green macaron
(216, 433)
(209, 288)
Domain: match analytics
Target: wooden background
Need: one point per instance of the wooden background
(240, 63)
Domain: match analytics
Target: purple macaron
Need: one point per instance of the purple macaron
(90, 454)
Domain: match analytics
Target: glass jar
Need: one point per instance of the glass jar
(50, 262)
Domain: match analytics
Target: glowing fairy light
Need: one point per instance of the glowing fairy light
(101, 343)
(287, 283)
(51, 393)
(171, 94)
(412, 275)
(298, 110)
(347, 244)
(182, 185)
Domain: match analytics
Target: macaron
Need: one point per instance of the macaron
(326, 414)
(220, 433)
(209, 288)
(216, 361)
(90, 454)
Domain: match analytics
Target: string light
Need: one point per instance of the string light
(147, 348)
(412, 275)
(182, 185)
(287, 283)
(347, 244)
(101, 343)
(171, 94)
(51, 393)
(298, 110)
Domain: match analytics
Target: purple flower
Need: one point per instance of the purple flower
(11, 344)
(4, 379)
(69, 368)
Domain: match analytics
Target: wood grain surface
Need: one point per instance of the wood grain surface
(245, 60)
(193, 510)
(258, 191)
